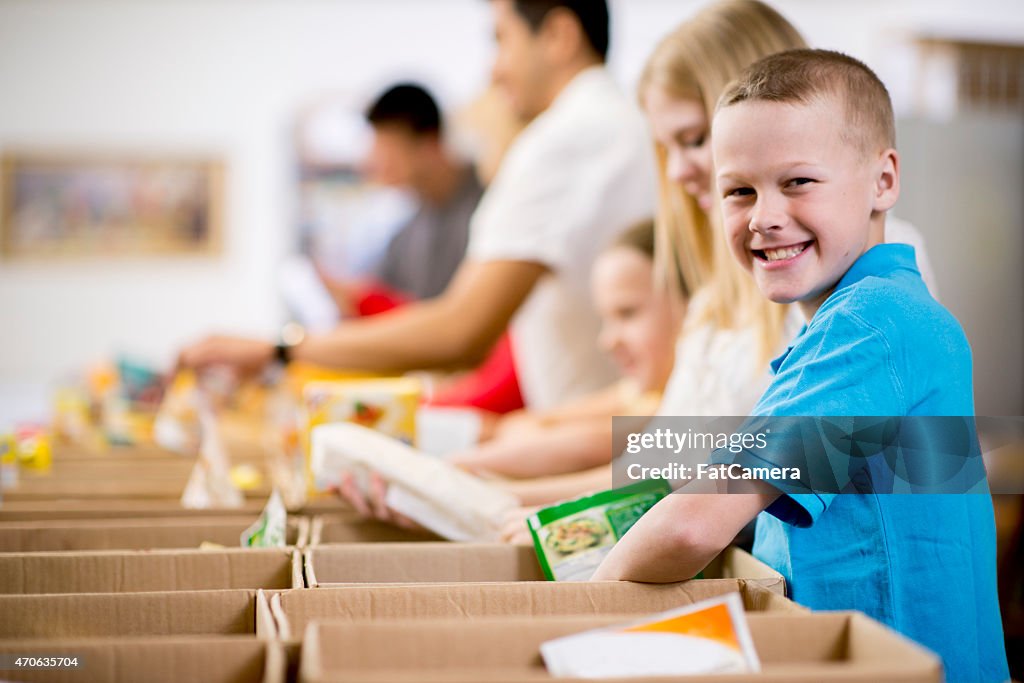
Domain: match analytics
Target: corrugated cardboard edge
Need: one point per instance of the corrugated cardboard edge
(307, 566)
(281, 621)
(737, 563)
(275, 668)
(305, 530)
(316, 530)
(298, 577)
(266, 627)
(303, 526)
(310, 668)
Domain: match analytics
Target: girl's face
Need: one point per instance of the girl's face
(681, 127)
(639, 324)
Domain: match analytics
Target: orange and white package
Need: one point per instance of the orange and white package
(709, 637)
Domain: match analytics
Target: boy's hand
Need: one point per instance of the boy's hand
(515, 530)
(372, 504)
(246, 355)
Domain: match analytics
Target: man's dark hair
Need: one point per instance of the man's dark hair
(593, 16)
(407, 105)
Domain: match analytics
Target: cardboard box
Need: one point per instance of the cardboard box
(52, 489)
(793, 648)
(475, 562)
(350, 528)
(135, 534)
(155, 570)
(293, 610)
(72, 508)
(419, 563)
(92, 615)
(125, 487)
(224, 659)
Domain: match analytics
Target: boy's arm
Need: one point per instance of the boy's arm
(680, 535)
(456, 328)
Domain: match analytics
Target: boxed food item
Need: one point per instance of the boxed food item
(385, 405)
(440, 497)
(135, 534)
(223, 659)
(572, 538)
(792, 647)
(107, 615)
(154, 570)
(710, 637)
(293, 610)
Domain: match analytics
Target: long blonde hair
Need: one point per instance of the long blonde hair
(696, 62)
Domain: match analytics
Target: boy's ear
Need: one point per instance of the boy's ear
(887, 180)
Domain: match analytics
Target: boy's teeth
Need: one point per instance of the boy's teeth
(779, 254)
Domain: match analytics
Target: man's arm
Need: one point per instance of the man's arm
(680, 535)
(456, 328)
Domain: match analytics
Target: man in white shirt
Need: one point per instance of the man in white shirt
(580, 173)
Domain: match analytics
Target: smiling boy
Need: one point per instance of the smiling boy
(804, 151)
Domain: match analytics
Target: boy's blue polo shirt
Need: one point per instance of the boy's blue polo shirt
(880, 345)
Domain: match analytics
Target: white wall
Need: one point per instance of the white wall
(227, 77)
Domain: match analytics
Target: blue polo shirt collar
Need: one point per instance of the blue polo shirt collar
(879, 260)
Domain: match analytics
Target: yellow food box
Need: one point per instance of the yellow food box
(387, 405)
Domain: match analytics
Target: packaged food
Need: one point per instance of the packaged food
(572, 538)
(270, 530)
(385, 405)
(210, 485)
(176, 427)
(8, 460)
(710, 637)
(428, 490)
(32, 447)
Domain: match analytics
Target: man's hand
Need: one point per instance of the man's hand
(247, 356)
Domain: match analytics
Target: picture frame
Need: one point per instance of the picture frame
(67, 205)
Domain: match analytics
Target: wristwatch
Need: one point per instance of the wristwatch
(292, 335)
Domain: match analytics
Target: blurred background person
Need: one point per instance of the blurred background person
(408, 151)
(579, 174)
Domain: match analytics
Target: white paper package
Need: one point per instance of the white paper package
(439, 496)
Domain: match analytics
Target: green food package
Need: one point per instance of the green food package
(271, 529)
(572, 538)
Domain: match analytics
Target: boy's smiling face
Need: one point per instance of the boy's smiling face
(800, 201)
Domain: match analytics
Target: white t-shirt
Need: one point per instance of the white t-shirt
(577, 176)
(719, 372)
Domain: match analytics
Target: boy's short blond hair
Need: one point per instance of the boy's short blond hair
(803, 76)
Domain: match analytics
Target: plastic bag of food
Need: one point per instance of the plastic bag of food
(710, 637)
(270, 530)
(210, 485)
(572, 538)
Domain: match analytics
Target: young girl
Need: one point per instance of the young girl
(639, 323)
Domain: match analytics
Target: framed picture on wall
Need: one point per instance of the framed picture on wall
(85, 206)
